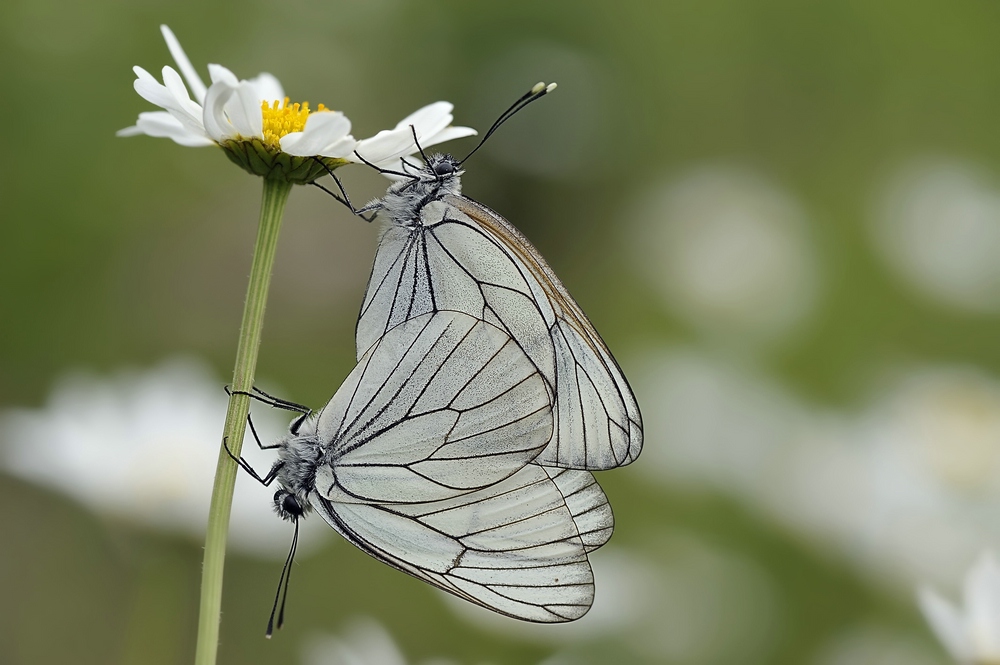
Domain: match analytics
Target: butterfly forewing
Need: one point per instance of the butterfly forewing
(461, 256)
(442, 404)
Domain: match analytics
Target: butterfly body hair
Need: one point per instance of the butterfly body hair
(405, 199)
(300, 454)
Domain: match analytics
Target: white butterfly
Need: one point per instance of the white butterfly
(443, 251)
(424, 459)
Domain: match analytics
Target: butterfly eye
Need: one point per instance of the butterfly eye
(286, 502)
(291, 505)
(444, 168)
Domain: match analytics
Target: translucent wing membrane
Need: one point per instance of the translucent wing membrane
(460, 256)
(512, 547)
(442, 404)
(587, 503)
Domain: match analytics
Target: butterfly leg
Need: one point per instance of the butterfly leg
(345, 199)
(277, 403)
(266, 480)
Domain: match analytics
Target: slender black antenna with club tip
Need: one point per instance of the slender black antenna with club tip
(282, 592)
(537, 91)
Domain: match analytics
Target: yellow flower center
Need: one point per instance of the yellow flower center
(280, 118)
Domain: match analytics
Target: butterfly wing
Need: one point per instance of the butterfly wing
(464, 257)
(587, 503)
(512, 547)
(442, 404)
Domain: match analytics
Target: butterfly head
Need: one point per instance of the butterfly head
(444, 167)
(438, 176)
(289, 506)
(441, 171)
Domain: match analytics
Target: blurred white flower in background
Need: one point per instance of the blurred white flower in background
(906, 488)
(875, 645)
(680, 601)
(933, 450)
(727, 250)
(144, 446)
(970, 633)
(938, 228)
(363, 641)
(715, 424)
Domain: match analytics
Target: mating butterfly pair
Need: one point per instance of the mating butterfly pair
(460, 448)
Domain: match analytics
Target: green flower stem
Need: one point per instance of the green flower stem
(271, 209)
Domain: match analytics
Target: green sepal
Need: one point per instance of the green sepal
(256, 158)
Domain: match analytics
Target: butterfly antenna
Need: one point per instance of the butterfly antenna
(413, 130)
(382, 170)
(538, 91)
(282, 592)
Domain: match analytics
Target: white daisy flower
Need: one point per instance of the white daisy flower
(262, 131)
(971, 634)
(252, 119)
(431, 124)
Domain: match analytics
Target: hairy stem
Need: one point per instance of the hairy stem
(272, 207)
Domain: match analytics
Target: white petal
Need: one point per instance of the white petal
(387, 145)
(947, 624)
(324, 130)
(162, 124)
(216, 124)
(150, 89)
(184, 64)
(186, 111)
(448, 134)
(218, 73)
(343, 148)
(434, 117)
(431, 125)
(244, 111)
(982, 606)
(129, 131)
(398, 166)
(268, 88)
(174, 85)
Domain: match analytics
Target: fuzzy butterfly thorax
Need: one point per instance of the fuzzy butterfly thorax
(299, 455)
(439, 177)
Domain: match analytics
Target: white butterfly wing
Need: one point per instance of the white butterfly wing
(442, 404)
(587, 503)
(466, 258)
(512, 547)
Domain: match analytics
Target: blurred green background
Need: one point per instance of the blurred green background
(783, 217)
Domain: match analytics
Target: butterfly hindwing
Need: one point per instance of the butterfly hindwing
(512, 547)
